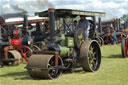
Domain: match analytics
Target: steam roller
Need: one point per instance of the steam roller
(65, 51)
(48, 64)
(8, 54)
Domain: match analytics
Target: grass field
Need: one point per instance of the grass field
(113, 71)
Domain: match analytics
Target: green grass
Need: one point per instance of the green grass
(113, 71)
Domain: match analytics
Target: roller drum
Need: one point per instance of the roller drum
(39, 66)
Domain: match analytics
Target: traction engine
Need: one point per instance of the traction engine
(8, 54)
(21, 43)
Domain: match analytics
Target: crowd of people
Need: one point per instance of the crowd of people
(109, 34)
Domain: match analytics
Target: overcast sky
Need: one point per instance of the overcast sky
(113, 8)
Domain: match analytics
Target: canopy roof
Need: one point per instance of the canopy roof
(3, 17)
(21, 21)
(12, 15)
(70, 13)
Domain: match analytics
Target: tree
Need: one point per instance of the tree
(124, 18)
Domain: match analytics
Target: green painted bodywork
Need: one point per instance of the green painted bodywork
(70, 42)
(63, 38)
(64, 51)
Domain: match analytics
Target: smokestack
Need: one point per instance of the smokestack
(94, 29)
(118, 25)
(100, 24)
(38, 26)
(25, 25)
(52, 24)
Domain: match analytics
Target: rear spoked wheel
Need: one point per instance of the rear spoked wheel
(124, 48)
(102, 41)
(90, 55)
(25, 51)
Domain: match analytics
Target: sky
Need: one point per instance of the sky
(112, 8)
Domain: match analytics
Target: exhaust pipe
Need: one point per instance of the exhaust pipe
(52, 24)
(100, 24)
(25, 25)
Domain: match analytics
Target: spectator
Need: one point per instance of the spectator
(74, 26)
(113, 35)
(30, 29)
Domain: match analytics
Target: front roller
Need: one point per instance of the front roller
(124, 48)
(43, 66)
(90, 55)
(14, 58)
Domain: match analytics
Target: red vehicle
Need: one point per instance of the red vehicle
(22, 44)
(109, 28)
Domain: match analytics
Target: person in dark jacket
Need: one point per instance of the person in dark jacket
(84, 24)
